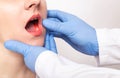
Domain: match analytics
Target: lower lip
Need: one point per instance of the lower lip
(36, 30)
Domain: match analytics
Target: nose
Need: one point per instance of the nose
(31, 4)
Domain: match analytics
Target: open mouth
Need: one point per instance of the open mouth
(34, 25)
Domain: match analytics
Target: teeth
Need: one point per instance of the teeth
(34, 19)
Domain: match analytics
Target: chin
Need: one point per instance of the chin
(36, 43)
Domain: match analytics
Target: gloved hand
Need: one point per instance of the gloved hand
(29, 52)
(73, 30)
(50, 42)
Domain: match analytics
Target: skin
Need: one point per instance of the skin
(14, 14)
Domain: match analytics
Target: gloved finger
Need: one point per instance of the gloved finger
(54, 19)
(57, 34)
(53, 44)
(17, 47)
(47, 42)
(50, 42)
(58, 14)
(52, 25)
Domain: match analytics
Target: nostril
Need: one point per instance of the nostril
(31, 4)
(27, 7)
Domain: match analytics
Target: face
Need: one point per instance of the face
(22, 20)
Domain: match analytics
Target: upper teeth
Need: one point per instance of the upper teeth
(34, 19)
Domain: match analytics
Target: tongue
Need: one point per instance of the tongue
(35, 29)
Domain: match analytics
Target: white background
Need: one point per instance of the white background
(97, 13)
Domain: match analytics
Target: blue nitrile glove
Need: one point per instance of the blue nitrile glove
(50, 42)
(75, 31)
(29, 52)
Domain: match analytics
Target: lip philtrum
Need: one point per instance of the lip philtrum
(34, 25)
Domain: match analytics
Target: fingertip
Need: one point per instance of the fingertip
(49, 24)
(46, 22)
(16, 46)
(9, 43)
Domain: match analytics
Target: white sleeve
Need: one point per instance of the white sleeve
(50, 65)
(109, 46)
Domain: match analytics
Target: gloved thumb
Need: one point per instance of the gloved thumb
(52, 25)
(17, 47)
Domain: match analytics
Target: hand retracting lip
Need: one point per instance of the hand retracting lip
(34, 25)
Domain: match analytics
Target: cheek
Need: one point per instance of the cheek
(28, 39)
(8, 22)
(43, 9)
(6, 26)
